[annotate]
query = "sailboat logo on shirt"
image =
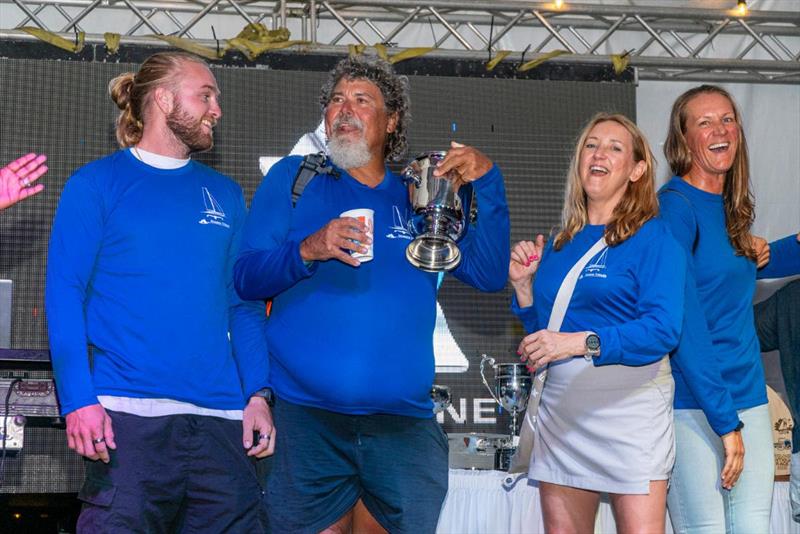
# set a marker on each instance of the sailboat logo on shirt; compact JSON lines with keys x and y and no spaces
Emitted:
{"x":399,"y":227}
{"x":597,"y":267}
{"x":213,"y":212}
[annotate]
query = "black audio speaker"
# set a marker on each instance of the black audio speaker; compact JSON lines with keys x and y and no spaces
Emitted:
{"x":43,"y":465}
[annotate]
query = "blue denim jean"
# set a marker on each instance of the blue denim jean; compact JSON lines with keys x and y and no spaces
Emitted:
{"x":696,"y":501}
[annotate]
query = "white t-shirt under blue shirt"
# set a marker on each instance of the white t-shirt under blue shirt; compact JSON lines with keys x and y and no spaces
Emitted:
{"x":140,"y":267}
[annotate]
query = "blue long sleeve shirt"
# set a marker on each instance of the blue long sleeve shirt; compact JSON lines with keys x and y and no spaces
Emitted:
{"x":720,"y":367}
{"x":356,"y":340}
{"x":631,"y":294}
{"x":140,"y":267}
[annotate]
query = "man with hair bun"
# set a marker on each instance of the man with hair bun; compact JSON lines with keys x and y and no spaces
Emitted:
{"x":168,"y":411}
{"x":350,"y":342}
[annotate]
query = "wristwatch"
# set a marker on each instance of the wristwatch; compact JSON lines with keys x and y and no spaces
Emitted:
{"x":592,"y":346}
{"x":266,"y":394}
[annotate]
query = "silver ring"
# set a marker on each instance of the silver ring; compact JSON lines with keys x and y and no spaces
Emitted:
{"x":262,"y":437}
{"x":98,"y":440}
{"x":25,"y":182}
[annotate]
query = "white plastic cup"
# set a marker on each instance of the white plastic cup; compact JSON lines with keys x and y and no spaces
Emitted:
{"x":367,"y":217}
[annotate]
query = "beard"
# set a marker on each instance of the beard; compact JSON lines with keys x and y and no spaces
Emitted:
{"x":190,"y":131}
{"x":348,"y":153}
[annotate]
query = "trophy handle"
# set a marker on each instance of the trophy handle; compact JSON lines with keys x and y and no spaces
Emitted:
{"x":485,"y":358}
{"x":411,"y":176}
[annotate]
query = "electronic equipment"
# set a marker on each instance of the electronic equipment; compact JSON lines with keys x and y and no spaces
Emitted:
{"x":29,"y":397}
{"x":12,"y":431}
{"x":37,"y":459}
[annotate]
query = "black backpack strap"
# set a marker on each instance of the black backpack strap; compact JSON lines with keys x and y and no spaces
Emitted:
{"x":311,"y":166}
{"x":691,"y":206}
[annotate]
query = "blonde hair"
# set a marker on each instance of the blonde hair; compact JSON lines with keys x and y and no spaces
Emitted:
{"x":737,"y":198}
{"x":637,"y":205}
{"x":130,"y":91}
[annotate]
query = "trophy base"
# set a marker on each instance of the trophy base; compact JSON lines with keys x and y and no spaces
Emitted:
{"x":502,"y":457}
{"x":433,"y":254}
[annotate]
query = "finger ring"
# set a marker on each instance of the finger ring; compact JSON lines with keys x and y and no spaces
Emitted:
{"x":263,"y":437}
{"x":25,"y":182}
{"x":98,"y":440}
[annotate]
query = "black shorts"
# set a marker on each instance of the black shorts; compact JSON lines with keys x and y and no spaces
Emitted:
{"x":175,"y":473}
{"x":325,"y":461}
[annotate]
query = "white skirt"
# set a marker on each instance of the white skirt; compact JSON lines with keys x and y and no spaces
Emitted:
{"x":606,"y":428}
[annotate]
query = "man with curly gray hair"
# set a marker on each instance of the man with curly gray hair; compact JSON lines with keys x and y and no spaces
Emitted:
{"x":350,"y":341}
{"x":394,"y":89}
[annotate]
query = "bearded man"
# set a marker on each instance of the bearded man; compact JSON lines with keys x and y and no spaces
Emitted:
{"x":351,"y":352}
{"x":140,"y":269}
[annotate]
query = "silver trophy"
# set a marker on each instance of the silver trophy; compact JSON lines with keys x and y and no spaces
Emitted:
{"x":512,"y":389}
{"x":441,"y":214}
{"x":440,"y":395}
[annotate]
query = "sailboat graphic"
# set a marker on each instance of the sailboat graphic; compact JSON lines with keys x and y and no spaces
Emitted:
{"x":398,"y":229}
{"x":597,"y":267}
{"x":600,"y":260}
{"x":213,"y":214}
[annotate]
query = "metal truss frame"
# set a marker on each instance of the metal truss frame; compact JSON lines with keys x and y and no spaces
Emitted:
{"x":662,"y":43}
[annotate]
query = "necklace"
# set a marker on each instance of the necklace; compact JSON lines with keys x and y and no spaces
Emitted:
{"x":138,"y":155}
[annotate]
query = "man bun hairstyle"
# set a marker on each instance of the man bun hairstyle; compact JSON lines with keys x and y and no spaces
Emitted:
{"x":131,"y":91}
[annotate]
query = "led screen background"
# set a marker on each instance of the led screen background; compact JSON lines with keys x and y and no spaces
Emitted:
{"x":527,"y":126}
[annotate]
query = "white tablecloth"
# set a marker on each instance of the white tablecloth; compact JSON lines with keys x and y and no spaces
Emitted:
{"x":492,"y":502}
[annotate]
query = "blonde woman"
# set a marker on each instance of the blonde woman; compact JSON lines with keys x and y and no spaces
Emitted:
{"x":605,"y":417}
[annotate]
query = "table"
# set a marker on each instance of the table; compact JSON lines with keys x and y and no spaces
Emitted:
{"x":493,"y":502}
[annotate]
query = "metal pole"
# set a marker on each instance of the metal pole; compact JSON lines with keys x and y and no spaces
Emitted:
{"x":554,"y":32}
{"x":80,"y":16}
{"x":312,"y":7}
{"x":449,"y":28}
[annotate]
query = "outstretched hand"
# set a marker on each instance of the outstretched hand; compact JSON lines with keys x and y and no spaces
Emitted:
{"x":18,"y":177}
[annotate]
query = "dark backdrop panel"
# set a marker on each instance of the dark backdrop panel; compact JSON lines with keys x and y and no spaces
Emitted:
{"x":527,"y":127}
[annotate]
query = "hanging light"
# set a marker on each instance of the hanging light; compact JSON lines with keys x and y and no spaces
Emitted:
{"x":741,"y":7}
{"x":559,"y":4}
